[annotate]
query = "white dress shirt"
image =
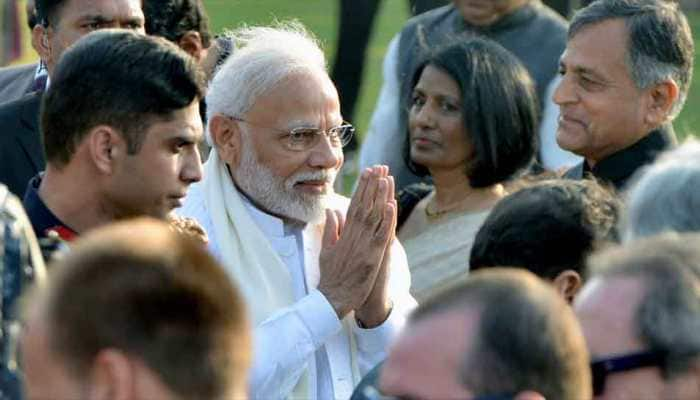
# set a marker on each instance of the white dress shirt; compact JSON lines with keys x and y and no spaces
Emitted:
{"x":308,"y":336}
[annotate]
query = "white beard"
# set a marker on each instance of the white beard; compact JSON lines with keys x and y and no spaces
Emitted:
{"x":277,"y":195}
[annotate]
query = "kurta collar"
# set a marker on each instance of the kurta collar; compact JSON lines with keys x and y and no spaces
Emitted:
{"x":270,"y":225}
{"x":620,"y":166}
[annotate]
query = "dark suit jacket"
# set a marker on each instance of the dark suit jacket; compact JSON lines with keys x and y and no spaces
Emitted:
{"x":16,"y":81}
{"x":21,"y":152}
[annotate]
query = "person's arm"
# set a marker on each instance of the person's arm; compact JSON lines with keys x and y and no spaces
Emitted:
{"x":384,"y":122}
{"x":372,"y":344}
{"x":286,"y":342}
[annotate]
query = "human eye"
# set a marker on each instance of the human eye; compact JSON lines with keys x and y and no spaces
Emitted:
{"x":302,"y":137}
{"x":178,"y":145}
{"x":417,"y":100}
{"x":589,"y":83}
{"x":448,"y":107}
{"x":93,"y":25}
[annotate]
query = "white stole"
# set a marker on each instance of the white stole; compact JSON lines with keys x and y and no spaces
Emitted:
{"x":260,"y":274}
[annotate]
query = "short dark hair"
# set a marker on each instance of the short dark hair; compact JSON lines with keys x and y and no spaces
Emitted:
{"x":171,"y":19}
{"x":46,"y":11}
{"x":141,"y":288}
{"x":499,"y":108}
{"x":660,"y":44}
{"x":32,"y":18}
{"x":116,"y":78}
{"x":547,"y":228}
{"x":668,"y":315}
{"x":528,"y":337}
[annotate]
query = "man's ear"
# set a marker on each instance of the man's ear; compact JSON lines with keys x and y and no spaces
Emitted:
{"x":226,"y":136}
{"x":662,"y":97}
{"x":567,"y":284}
{"x":105,"y":146}
{"x":112,"y":376}
{"x":191,"y":43}
{"x":40,"y":42}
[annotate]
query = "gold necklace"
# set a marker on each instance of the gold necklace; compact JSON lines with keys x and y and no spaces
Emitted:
{"x":436,"y":214}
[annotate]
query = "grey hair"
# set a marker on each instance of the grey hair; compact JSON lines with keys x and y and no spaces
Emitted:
{"x":667,"y":317}
{"x":527,"y":339}
{"x":660,"y":45}
{"x":665,"y":195}
{"x":264,"y":56}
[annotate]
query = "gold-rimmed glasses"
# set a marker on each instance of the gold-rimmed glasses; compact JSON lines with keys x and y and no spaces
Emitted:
{"x":304,"y":138}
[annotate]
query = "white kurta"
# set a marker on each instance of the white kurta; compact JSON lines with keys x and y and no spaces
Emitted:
{"x":307,"y":336}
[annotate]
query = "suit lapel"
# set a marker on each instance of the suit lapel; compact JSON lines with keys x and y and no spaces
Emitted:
{"x":29,"y":137}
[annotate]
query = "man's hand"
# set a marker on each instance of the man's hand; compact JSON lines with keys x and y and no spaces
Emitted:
{"x":378,"y":306}
{"x":353,"y":249}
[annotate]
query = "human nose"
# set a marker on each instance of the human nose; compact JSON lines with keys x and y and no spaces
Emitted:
{"x":423,"y":116}
{"x":564,"y":92}
{"x":324,"y":154}
{"x":192,"y":168}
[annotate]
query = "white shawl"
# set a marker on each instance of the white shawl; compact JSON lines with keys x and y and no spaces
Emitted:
{"x":248,"y":256}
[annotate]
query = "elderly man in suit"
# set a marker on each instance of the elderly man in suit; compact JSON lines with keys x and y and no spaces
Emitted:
{"x":619,"y":95}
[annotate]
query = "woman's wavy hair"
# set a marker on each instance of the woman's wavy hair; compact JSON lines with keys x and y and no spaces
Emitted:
{"x":499,"y":108}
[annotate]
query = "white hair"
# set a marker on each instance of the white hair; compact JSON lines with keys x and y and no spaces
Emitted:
{"x":264,"y":57}
{"x":666,"y":195}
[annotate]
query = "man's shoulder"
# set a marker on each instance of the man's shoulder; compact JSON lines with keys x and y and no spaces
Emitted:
{"x":547,"y":20}
{"x":432,"y":17}
{"x":10,"y":109}
{"x":15,"y":80}
{"x":17,"y":70}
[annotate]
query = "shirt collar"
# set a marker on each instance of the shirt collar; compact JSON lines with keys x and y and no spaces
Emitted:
{"x":620,"y":166}
{"x":271,"y":225}
{"x":42,"y":219}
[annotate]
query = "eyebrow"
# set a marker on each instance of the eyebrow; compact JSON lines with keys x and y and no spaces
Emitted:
{"x":439,"y":96}
{"x":578,"y":69}
{"x":96,"y":18}
{"x":105,"y":20}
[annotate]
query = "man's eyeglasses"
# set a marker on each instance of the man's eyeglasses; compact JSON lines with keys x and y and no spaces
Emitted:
{"x":601,"y":368}
{"x":303,"y":138}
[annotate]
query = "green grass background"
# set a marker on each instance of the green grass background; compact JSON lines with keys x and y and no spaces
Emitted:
{"x":320,"y":16}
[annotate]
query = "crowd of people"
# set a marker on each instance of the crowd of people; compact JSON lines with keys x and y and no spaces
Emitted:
{"x":182,"y":188}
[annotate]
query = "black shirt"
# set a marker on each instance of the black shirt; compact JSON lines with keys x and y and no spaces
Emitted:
{"x":619,"y":167}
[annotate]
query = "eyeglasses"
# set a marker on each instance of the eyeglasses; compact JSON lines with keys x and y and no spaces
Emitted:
{"x":305,"y":138}
{"x":601,"y":368}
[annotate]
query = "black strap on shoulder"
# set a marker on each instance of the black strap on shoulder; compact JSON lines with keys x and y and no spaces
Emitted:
{"x":407,"y":199}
